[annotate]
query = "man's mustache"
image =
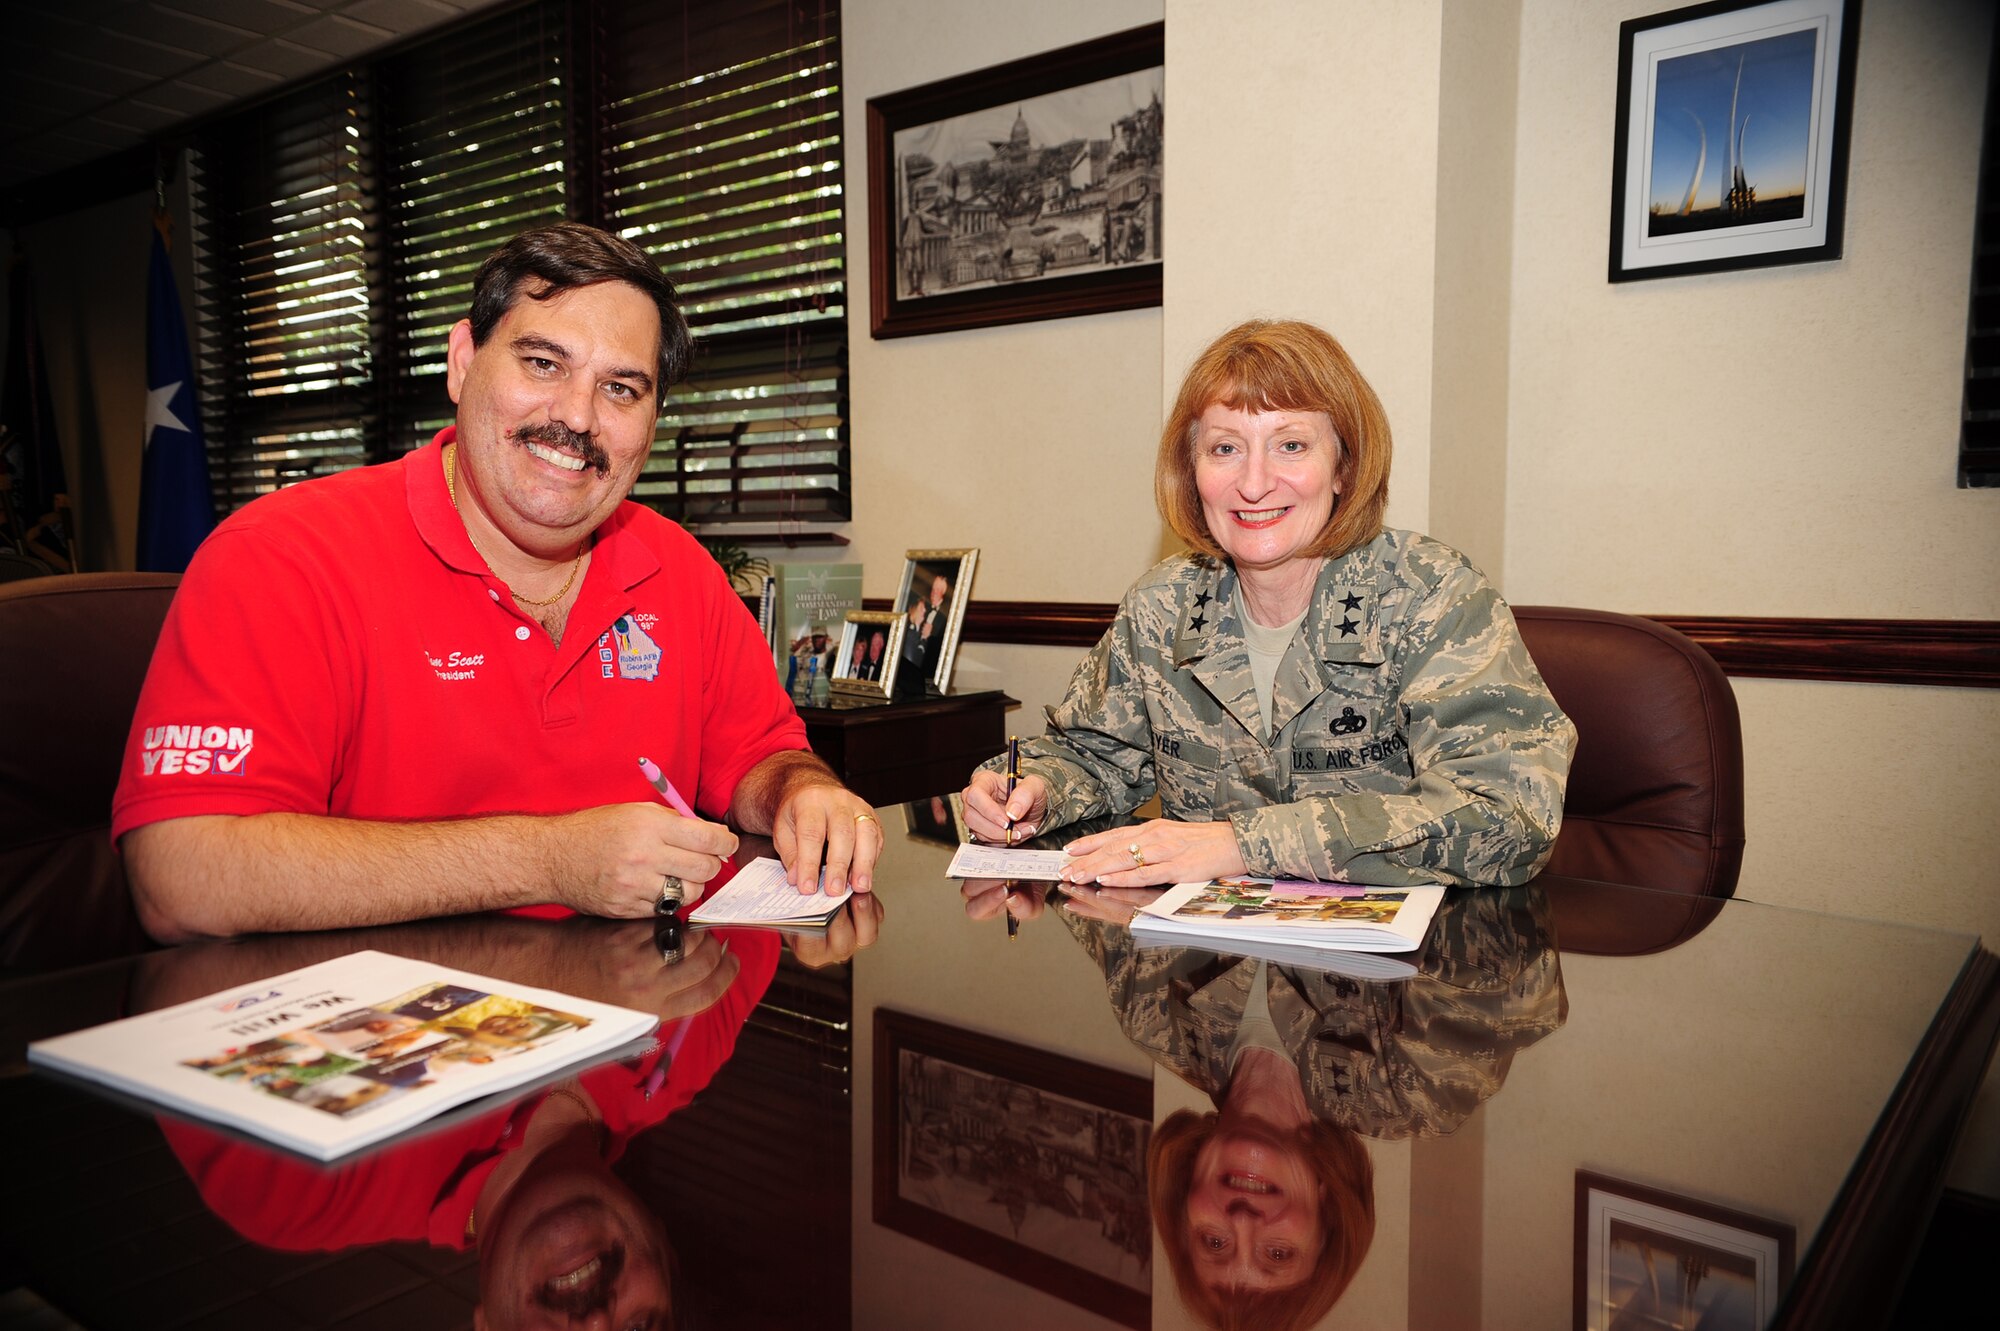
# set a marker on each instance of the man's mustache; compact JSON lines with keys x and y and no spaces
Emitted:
{"x":556,"y":435}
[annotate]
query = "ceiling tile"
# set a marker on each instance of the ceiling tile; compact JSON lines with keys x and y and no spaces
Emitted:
{"x":282,"y":59}
{"x":400,"y":16}
{"x":137,"y":117}
{"x":89,"y":76}
{"x":145,"y":57}
{"x":338,"y":36}
{"x":185,"y":98}
{"x":189,"y":32}
{"x":57,"y":92}
{"x":266,"y":17}
{"x":90,"y":135}
{"x":231,"y":79}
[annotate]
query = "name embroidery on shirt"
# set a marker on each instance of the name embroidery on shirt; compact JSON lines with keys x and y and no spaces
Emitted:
{"x":196,"y":750}
{"x":456,"y":665}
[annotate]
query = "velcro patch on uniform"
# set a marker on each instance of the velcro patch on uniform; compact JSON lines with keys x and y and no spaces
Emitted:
{"x":1347,"y":758}
{"x":1186,"y":750}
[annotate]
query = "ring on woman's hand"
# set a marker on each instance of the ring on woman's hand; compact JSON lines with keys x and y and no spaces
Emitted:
{"x":672,"y":891}
{"x":1138,"y":857}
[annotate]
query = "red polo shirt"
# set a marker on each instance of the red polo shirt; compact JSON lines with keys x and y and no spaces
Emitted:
{"x":340,"y":648}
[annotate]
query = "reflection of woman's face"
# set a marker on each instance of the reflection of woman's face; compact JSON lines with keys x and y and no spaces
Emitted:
{"x":1253,"y":1210}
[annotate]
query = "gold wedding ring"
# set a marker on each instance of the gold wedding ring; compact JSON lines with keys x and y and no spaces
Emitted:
{"x":864,"y":817}
{"x":1138,"y":858}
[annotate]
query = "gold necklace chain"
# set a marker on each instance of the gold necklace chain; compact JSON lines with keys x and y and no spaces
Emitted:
{"x":451,"y":492}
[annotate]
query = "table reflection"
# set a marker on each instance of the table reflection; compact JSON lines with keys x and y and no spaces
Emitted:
{"x":1265,"y":1206}
{"x":528,"y":1183}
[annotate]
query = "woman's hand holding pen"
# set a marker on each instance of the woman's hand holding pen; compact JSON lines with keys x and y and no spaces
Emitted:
{"x":989,"y":808}
{"x":988,"y":898}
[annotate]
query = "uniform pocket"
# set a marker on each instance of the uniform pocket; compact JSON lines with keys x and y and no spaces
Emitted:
{"x":1187,"y":771}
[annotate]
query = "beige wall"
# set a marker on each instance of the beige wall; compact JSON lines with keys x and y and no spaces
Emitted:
{"x":1779,"y":442}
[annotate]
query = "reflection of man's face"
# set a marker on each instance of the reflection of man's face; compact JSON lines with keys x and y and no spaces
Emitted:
{"x":572,"y":1246}
{"x":1253,"y":1210}
{"x":938,"y":589}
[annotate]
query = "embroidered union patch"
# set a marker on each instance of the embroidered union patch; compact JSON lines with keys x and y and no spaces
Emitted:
{"x":638,"y":654}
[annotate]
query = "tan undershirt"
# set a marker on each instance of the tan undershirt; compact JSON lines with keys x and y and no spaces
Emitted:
{"x":1267,"y":649}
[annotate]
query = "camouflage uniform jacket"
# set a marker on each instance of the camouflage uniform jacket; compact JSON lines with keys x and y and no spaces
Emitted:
{"x":1387,"y":1058}
{"x":1415,"y":741}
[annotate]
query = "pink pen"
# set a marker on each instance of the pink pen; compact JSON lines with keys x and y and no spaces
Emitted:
{"x":651,"y":771}
{"x":665,"y":787}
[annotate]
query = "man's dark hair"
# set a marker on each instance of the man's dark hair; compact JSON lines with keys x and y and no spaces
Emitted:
{"x":548,"y":260}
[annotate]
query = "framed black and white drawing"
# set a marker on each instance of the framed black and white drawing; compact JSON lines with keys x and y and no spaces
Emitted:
{"x":1730,"y":148}
{"x":1031,"y":190}
{"x":1026,"y":1162}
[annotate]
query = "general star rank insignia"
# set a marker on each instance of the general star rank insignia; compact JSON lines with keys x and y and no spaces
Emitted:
{"x":1202,"y":599}
{"x":1347,"y":627}
{"x":1198,"y":623}
{"x":1351,"y":601}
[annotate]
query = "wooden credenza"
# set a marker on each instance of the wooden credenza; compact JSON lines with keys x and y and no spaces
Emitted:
{"x":891,"y":753}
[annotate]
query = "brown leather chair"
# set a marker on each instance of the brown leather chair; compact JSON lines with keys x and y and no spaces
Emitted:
{"x":74,"y":651}
{"x":1655,"y":795}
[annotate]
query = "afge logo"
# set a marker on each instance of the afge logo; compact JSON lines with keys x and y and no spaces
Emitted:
{"x":196,"y":750}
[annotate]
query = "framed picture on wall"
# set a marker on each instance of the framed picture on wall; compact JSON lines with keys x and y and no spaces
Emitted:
{"x":1650,"y":1258}
{"x":871,"y":646}
{"x":1031,"y":190}
{"x":935,"y":588}
{"x":1026,"y":1162}
{"x":1730,"y":148}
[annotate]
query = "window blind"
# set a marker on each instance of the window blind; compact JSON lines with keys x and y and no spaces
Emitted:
{"x":282,"y":201}
{"x":344,"y":225}
{"x":473,"y":131}
{"x":721,"y":155}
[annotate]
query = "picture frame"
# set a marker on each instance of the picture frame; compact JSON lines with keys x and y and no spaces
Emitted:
{"x":939,"y":819}
{"x":1642,"y":1252}
{"x":1730,"y":143}
{"x":858,"y":671}
{"x":1047,"y":1121}
{"x":1029,"y":190}
{"x":930,"y":640}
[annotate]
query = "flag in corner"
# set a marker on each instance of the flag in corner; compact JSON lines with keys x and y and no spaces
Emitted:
{"x":176,"y":507}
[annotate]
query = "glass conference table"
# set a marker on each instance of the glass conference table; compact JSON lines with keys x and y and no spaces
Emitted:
{"x":1582,"y":1105}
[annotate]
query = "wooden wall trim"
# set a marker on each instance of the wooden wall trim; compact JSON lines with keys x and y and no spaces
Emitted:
{"x":1958,"y":653}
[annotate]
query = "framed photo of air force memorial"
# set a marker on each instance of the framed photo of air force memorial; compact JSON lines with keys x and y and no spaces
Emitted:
{"x":1030,"y":190}
{"x":1730,"y":143}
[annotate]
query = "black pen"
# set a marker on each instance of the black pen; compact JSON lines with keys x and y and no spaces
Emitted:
{"x":1013,"y":775}
{"x":1006,"y":904}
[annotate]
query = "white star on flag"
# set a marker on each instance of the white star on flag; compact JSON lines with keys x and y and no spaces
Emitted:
{"x":160,"y":411}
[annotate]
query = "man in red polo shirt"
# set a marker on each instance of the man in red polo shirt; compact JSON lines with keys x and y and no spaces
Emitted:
{"x":425,"y":687}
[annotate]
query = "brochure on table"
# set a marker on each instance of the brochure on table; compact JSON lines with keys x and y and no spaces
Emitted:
{"x":344,"y":1054}
{"x":1235,"y":914}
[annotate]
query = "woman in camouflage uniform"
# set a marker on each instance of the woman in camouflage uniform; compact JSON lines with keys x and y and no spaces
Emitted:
{"x":1309,"y":694}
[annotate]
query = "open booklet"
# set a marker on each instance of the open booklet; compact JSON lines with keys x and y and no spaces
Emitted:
{"x":1290,"y":921}
{"x":759,"y":895}
{"x":344,"y":1054}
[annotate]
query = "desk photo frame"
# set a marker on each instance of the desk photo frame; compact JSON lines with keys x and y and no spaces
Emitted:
{"x":1731,"y":139}
{"x":933,"y":594}
{"x":857,"y":671}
